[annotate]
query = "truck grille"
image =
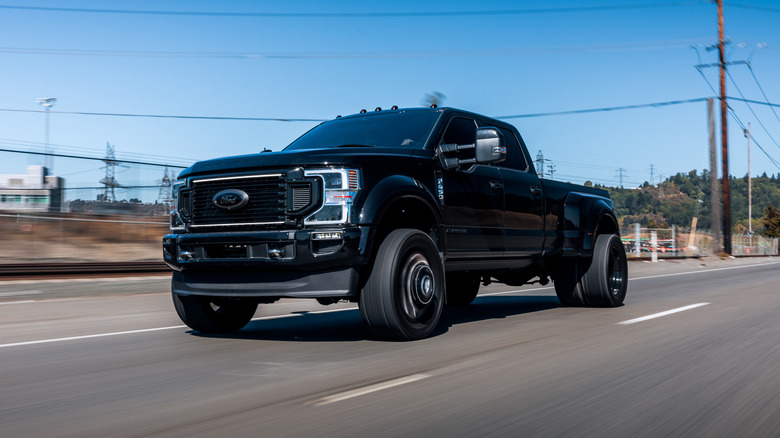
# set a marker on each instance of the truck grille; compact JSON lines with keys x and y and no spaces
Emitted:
{"x":266,"y":206}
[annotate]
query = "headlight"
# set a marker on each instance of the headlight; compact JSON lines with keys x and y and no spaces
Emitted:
{"x":177,"y":224}
{"x":340,"y":187}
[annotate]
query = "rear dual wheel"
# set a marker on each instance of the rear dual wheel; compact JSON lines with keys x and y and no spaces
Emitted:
{"x":601,"y":281}
{"x":462,"y":288}
{"x":404,"y":294}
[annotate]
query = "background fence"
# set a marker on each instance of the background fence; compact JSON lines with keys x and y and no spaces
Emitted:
{"x":681,"y":242}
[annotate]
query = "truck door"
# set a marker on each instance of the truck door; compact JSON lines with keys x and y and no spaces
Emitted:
{"x":473,"y":200}
{"x":523,"y":201}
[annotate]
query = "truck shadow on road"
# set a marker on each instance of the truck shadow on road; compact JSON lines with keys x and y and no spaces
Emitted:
{"x":347,"y":325}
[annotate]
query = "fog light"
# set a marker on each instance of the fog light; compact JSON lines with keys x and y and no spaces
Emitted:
{"x":330,"y":235}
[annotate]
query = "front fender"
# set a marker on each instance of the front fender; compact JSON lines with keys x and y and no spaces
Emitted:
{"x":391,"y":189}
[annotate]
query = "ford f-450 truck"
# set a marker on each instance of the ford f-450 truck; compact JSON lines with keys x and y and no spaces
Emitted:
{"x":402,"y":211}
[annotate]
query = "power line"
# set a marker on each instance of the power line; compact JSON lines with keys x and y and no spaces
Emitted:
{"x":613,"y":108}
{"x":750,"y":68}
{"x":79,"y":150}
{"x":91,"y":158}
{"x":284,"y":119}
{"x":758,"y":8}
{"x":160,"y":116}
{"x":357,"y":14}
{"x":751,"y":109}
{"x":755,"y":142}
{"x":482,"y":52}
{"x":757,"y":102}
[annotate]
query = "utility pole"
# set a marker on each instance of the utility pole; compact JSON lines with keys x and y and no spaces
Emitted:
{"x":724,"y":140}
{"x":714,"y":194}
{"x":750,"y":185}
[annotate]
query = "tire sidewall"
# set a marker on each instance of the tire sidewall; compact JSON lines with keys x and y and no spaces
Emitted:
{"x":382,"y":301}
{"x":609,"y":257}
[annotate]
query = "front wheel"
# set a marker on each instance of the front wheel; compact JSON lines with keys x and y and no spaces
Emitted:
{"x":404,"y":294}
{"x":214,"y":314}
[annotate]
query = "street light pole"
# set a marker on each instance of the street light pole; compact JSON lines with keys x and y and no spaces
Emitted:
{"x":750,"y":186}
{"x":47,"y":103}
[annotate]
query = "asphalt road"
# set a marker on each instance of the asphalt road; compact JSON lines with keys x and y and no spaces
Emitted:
{"x":695,"y":352}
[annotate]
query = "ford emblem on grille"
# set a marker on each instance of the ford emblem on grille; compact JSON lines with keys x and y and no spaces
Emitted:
{"x":230,"y":199}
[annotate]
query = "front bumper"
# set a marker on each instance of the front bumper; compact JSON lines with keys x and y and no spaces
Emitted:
{"x":296,"y":263}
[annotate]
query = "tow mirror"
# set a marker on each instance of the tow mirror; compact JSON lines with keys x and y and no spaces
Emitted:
{"x":490,"y":146}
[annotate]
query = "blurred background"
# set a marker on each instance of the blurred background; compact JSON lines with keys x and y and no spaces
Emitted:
{"x":104,"y":103}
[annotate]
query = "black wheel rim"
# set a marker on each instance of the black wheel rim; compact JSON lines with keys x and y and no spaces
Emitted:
{"x":418,"y":288}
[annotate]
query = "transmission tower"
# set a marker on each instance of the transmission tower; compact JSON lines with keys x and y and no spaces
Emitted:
{"x":109,"y":181}
{"x":165,"y":187}
{"x":551,"y":168}
{"x":540,"y":164}
{"x":621,"y":171}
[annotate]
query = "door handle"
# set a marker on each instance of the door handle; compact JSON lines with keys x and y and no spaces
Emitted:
{"x":496,"y":185}
{"x":536,"y":190}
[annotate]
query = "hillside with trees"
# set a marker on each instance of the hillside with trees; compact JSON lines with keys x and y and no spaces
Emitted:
{"x":681,"y":197}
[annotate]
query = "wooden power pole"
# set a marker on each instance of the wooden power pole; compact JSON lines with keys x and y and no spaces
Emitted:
{"x":724,"y":140}
{"x":714,"y":190}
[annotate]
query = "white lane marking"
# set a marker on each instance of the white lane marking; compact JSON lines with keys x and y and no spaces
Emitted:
{"x":100,"y":335}
{"x":704,"y":271}
{"x":21,"y":292}
{"x":162,"y":276}
{"x":660,"y":314}
{"x":637,"y":278}
{"x":369,"y":389}
{"x":156,"y":329}
{"x":17,"y":302}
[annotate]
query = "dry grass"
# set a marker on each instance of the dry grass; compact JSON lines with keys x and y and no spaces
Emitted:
{"x":81,"y":238}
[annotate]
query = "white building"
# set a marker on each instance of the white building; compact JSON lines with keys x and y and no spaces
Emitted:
{"x":35,"y":191}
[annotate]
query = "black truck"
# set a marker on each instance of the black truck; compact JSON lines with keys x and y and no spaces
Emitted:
{"x":400,"y":210}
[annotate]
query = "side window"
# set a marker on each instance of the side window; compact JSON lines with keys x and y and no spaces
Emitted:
{"x":460,"y":131}
{"x":515,"y":159}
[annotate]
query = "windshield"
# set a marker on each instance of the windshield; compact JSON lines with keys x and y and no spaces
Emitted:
{"x":408,"y":129}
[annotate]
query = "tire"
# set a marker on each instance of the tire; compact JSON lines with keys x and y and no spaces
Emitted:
{"x":404,"y":295}
{"x":601,"y":281}
{"x":567,"y":283}
{"x":214,"y":314}
{"x":462,"y":288}
{"x":605,"y":281}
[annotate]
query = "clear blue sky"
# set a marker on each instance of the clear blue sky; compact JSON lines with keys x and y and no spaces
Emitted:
{"x":315,"y":60}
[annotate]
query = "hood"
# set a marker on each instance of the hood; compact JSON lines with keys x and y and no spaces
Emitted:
{"x":298,"y":158}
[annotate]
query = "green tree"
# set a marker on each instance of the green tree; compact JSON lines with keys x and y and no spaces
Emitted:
{"x":772,"y":222}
